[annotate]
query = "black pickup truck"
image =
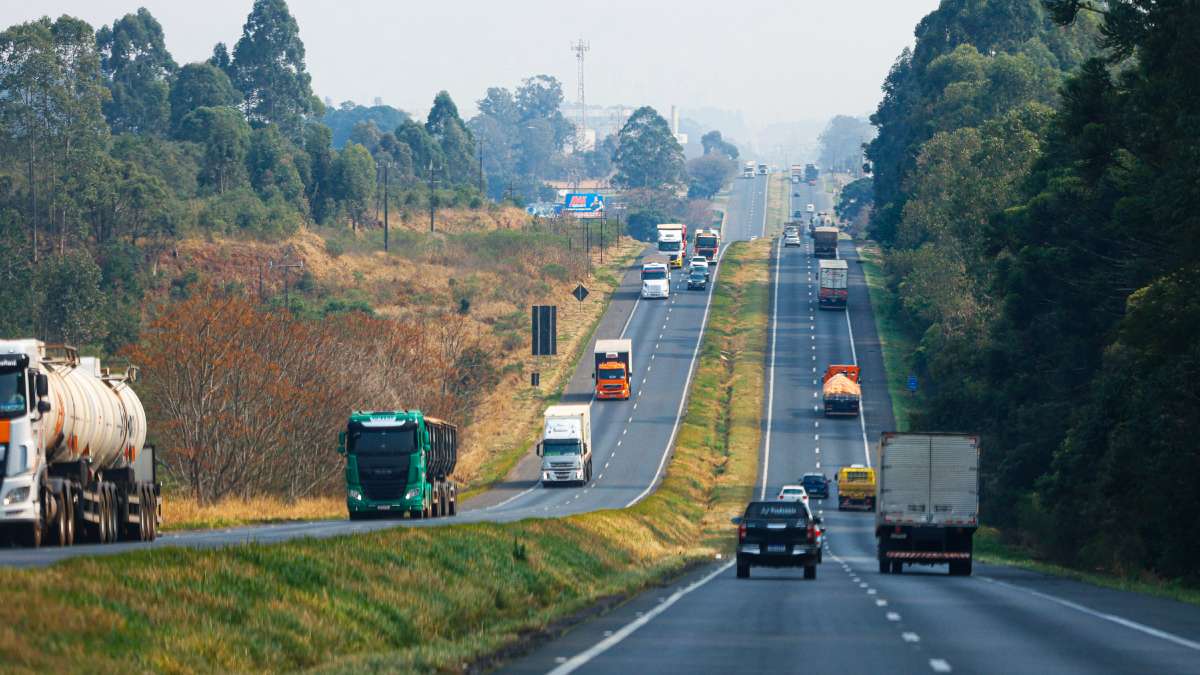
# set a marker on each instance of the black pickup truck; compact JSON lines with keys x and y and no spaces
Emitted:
{"x":777,"y":534}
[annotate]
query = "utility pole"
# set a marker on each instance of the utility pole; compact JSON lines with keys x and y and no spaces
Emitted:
{"x":432,"y":197}
{"x":285,"y":266}
{"x":385,"y":206}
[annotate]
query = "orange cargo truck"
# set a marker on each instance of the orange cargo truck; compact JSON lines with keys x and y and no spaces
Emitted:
{"x":843,"y":395}
{"x":614,"y":369}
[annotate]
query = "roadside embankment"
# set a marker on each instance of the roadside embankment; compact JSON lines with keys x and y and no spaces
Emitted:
{"x":414,"y":599}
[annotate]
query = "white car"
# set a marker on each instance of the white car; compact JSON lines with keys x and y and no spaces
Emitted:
{"x":701,"y":262}
{"x":810,"y":208}
{"x":656,"y":281}
{"x":791,"y":239}
{"x":793,"y":493}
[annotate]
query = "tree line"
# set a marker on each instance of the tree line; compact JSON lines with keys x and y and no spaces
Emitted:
{"x":1035,"y":192}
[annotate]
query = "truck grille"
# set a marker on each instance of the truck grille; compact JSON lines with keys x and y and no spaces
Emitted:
{"x":383,"y":478}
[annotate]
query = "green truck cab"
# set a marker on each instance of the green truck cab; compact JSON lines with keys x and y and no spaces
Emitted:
{"x":399,"y":462}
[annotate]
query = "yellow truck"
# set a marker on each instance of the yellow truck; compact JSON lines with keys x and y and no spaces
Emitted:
{"x":856,"y":487}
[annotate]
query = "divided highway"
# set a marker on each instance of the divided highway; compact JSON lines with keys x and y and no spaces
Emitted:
{"x":631,"y":439}
{"x":851,"y":618}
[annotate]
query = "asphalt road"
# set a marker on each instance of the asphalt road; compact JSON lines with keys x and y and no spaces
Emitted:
{"x":631,"y":439}
{"x":852,"y":619}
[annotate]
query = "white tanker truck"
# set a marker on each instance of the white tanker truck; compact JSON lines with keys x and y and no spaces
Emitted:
{"x":72,"y":461}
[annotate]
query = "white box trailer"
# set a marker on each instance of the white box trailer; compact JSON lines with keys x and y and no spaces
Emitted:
{"x":566,"y":445}
{"x":927,"y":500}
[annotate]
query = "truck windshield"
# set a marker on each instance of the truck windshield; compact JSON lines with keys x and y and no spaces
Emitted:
{"x":612,"y":373}
{"x":857,"y":476}
{"x":706,"y":242}
{"x":670,"y":246}
{"x":653,"y":275}
{"x":12,"y":393}
{"x":561,"y":447}
{"x":382,"y":441}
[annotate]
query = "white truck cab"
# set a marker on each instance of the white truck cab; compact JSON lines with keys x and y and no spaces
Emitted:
{"x":656,"y":281}
{"x":566,"y":445}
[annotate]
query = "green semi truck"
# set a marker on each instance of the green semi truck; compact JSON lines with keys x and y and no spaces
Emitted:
{"x":399,"y":462}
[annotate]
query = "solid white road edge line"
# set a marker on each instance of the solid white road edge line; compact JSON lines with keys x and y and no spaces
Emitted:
{"x":687,"y":383}
{"x":766,"y":465}
{"x":862,"y":417}
{"x":582,"y":658}
{"x":1120,"y":621}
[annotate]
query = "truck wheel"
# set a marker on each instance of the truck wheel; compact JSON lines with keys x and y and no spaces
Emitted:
{"x":810,"y":572}
{"x":101,"y":514}
{"x":743,"y":571}
{"x":884,"y":566}
{"x":58,"y":525}
{"x":453,"y":500}
{"x":415,"y":514}
{"x":153,"y":512}
{"x":897,"y":567}
{"x":114,"y":514}
{"x":141,"y":530}
{"x":69,"y":512}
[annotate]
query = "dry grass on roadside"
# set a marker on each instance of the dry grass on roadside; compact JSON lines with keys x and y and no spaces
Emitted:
{"x":411,"y":599}
{"x":185,"y":513}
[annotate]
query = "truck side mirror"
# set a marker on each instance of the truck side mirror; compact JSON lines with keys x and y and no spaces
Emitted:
{"x":539,"y":449}
{"x":42,"y":384}
{"x":43,"y":406}
{"x":736,"y":520}
{"x":341,"y":447}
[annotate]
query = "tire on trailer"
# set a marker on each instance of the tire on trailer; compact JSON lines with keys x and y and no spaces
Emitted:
{"x":884,"y":566}
{"x":57,"y":527}
{"x":453,"y":500}
{"x":897,"y":567}
{"x":810,"y":572}
{"x":960,"y":568}
{"x":743,"y":571}
{"x":69,"y":512}
{"x":102,"y":513}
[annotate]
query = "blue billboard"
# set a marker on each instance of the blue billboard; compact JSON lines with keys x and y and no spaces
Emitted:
{"x":584,"y":204}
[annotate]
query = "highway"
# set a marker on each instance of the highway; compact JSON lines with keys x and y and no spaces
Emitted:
{"x":852,"y":619}
{"x":631,"y":439}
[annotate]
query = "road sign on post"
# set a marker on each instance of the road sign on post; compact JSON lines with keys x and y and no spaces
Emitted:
{"x":544,"y":330}
{"x":580,"y":293}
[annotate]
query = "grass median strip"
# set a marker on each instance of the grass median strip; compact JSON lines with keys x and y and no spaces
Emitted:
{"x":413,"y":599}
{"x":895,"y":337}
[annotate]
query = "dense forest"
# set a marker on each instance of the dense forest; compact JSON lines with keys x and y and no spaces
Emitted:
{"x":1035,"y":187}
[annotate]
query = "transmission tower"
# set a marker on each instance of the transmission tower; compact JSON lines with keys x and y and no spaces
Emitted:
{"x":580,"y":47}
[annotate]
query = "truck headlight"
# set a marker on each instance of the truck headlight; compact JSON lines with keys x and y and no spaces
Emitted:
{"x":354,"y":494}
{"x":16,"y":495}
{"x":413,"y":493}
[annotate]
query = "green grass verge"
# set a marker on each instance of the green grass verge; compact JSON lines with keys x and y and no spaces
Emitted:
{"x":412,"y":599}
{"x":991,"y":548}
{"x":897,"y":342}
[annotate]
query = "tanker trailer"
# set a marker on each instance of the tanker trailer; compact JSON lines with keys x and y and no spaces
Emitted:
{"x":73,"y":457}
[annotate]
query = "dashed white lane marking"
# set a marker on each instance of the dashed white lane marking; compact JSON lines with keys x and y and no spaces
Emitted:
{"x":871,"y":591}
{"x":818,"y":465}
{"x":606,"y":464}
{"x":910,"y":637}
{"x":816,"y":437}
{"x":862,"y":584}
{"x":816,"y":424}
{"x":817,"y":451}
{"x":939,"y":665}
{"x":635,"y":405}
{"x":893,"y":616}
{"x":629,"y":420}
{"x":881,"y":603}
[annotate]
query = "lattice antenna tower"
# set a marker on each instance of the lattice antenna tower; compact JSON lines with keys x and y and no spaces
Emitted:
{"x":581,"y":47}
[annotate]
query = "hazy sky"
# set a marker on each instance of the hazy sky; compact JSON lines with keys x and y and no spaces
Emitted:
{"x":775,"y":61}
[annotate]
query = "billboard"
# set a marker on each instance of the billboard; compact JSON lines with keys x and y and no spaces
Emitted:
{"x":584,"y":204}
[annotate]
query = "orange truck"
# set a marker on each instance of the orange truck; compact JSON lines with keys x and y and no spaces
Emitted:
{"x":614,"y":369}
{"x":843,"y":394}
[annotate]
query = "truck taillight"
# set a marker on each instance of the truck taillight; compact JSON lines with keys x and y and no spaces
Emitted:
{"x":741,"y":532}
{"x":812,"y":533}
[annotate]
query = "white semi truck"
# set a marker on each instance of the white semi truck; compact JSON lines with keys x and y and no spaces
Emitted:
{"x":73,"y":457}
{"x":566,"y":445}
